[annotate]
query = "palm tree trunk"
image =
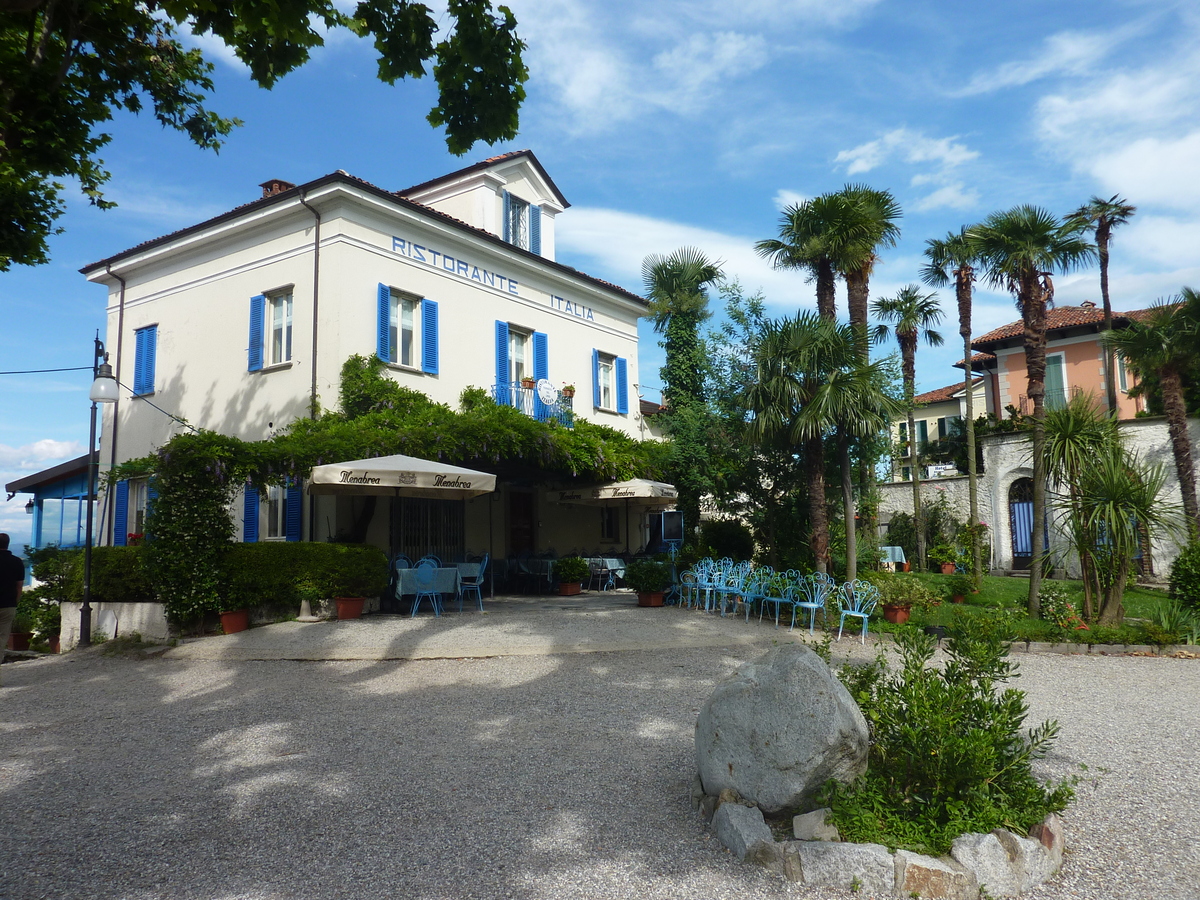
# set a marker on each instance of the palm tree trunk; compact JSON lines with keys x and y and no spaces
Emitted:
{"x":826,"y":296}
{"x":1110,"y":376}
{"x":814,"y":466}
{"x":1033,"y":312}
{"x":1112,"y":609}
{"x":848,"y":508}
{"x":1177,"y":428}
{"x":857,"y":296}
{"x":962,"y":290}
{"x":908,"y":351}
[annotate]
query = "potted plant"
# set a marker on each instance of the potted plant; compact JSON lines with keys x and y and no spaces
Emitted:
{"x":48,"y":624}
{"x":235,"y":620}
{"x":349,"y":581}
{"x":22,"y":631}
{"x":958,"y":587}
{"x":945,"y":556}
{"x":898,"y":594}
{"x":649,"y":579}
{"x":568,"y":390}
{"x":528,"y":382}
{"x":570,"y":571}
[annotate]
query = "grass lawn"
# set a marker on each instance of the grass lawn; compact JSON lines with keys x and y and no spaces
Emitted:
{"x":998,"y":592}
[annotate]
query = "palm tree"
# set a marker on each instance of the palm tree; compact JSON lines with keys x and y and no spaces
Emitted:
{"x":802,"y":245}
{"x":1101,"y":217}
{"x":953,"y":254}
{"x":810,"y":380}
{"x":1021,"y":248}
{"x":678,"y":306}
{"x":869,"y":223}
{"x":912,"y":315}
{"x":1165,"y":343}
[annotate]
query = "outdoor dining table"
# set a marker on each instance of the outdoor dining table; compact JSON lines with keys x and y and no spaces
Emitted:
{"x":446,"y":580}
{"x":613,"y":565}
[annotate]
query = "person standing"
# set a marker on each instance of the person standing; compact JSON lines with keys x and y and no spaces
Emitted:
{"x":12,"y":581}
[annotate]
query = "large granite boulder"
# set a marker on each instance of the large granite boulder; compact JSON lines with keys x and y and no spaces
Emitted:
{"x":778,"y":729}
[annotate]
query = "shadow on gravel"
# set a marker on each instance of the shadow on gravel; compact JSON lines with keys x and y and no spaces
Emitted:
{"x":540,"y":776}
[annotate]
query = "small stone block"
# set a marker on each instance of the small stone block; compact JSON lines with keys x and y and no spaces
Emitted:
{"x":697,"y":792}
{"x":1142,"y":649}
{"x":741,"y":828}
{"x":994,"y":869}
{"x":869,"y":866}
{"x":933,"y":879}
{"x":1039,"y":647}
{"x":1049,"y":833}
{"x":729,"y":795}
{"x":1068,"y":647}
{"x":811,"y":826}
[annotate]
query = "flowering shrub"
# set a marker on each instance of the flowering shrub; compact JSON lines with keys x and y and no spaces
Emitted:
{"x":1057,"y":607}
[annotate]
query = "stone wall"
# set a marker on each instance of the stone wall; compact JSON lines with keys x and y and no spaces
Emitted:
{"x":1007,"y":459}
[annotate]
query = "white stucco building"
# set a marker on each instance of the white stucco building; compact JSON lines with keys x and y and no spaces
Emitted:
{"x":241,"y":323}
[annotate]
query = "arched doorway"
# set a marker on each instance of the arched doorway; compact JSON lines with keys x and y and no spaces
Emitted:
{"x":1020,"y":518}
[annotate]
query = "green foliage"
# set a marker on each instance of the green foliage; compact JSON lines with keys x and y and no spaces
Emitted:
{"x":647,"y":575}
{"x":727,"y":538}
{"x":959,"y":585}
{"x":570,"y":570}
{"x":1185,"y":576}
{"x":948,"y":755}
{"x":1057,"y":607}
{"x":279,"y":574}
{"x":118,"y":576}
{"x":65,"y":68}
{"x":902,"y":590}
{"x":1175,"y":619}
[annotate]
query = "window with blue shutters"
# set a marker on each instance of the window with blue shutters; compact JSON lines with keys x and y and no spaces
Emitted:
{"x":383,"y":341}
{"x":145,"y":349}
{"x":595,"y":378}
{"x":535,"y":230}
{"x":429,"y":337}
{"x":516,"y":228}
{"x":621,"y":370}
{"x":407,"y":330}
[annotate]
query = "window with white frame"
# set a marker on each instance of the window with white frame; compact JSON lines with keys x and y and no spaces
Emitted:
{"x":279,"y":328}
{"x":1122,"y":375}
{"x":275,"y":510}
{"x":138,"y":495}
{"x":518,"y":222}
{"x":519,"y":363}
{"x":604,"y":372}
{"x":403,"y":319}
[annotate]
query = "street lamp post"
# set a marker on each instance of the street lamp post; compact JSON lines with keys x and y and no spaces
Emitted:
{"x":104,"y":390}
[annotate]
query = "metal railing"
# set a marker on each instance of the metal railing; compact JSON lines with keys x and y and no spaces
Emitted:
{"x":527,"y":401}
{"x":1054,"y":399}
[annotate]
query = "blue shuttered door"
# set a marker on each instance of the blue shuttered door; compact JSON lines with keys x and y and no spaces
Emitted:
{"x":121,"y":514}
{"x":258,"y":307}
{"x":541,"y":369}
{"x":502,"y":393}
{"x":535,"y":229}
{"x":506,"y":226}
{"x":596,"y":378}
{"x":1021,"y":518}
{"x":429,"y":337}
{"x":621,"y":372}
{"x":250,"y":515}
{"x":383,"y":341}
{"x":294,"y":496}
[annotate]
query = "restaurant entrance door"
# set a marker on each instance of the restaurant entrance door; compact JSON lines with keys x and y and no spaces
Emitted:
{"x":522,"y":524}
{"x":421,"y":526}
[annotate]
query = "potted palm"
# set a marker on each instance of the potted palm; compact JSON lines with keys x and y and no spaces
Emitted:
{"x":649,"y":579}
{"x":570,"y":571}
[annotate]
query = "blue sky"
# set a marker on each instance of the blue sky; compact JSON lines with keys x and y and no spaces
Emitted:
{"x":678,"y":123}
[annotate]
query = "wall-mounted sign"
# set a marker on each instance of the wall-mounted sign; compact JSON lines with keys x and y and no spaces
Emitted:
{"x":578,"y":310}
{"x":459,"y":268}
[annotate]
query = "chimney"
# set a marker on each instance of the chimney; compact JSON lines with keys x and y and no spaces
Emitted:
{"x":1088,"y":304}
{"x":275,"y":186}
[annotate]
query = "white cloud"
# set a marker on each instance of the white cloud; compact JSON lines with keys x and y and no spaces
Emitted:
{"x":37,"y":454}
{"x":910,"y":146}
{"x":1068,"y":52}
{"x":952,"y":196}
{"x":616,"y":242}
{"x":784,"y":198}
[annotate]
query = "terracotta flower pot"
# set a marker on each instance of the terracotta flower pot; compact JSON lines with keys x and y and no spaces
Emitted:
{"x":897,"y":615}
{"x":958,"y":598}
{"x":528,"y":384}
{"x":568,"y":392}
{"x":907,"y":567}
{"x":235,"y":620}
{"x":19,"y":640}
{"x":349,"y":607}
{"x":650,"y":598}
{"x":948,"y":568}
{"x":55,"y":643}
{"x":569,"y":588}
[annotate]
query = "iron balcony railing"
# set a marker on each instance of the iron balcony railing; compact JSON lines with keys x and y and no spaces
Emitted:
{"x":511,"y":393}
{"x":1054,"y":399}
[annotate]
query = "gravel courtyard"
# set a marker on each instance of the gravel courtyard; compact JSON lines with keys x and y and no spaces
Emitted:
{"x":548,"y":754}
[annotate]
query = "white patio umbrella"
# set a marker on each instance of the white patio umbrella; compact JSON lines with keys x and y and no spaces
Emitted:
{"x":639,"y":491}
{"x":400,"y":476}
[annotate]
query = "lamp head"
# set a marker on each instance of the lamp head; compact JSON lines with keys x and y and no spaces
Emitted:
{"x":104,"y":388}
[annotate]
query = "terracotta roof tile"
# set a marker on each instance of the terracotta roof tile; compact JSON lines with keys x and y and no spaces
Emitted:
{"x":943,"y":393}
{"x":1056,"y":318}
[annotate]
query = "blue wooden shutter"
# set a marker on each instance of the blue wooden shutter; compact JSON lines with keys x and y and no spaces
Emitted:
{"x":429,"y":336}
{"x":250,"y":515}
{"x":143,"y":365}
{"x":151,"y":351}
{"x":503,"y":394}
{"x":621,"y":373}
{"x":139,"y":360}
{"x":257,"y":313}
{"x":596,"y":378}
{"x":541,"y":369}
{"x":505,"y":225}
{"x":535,"y":229}
{"x":121,"y":514}
{"x":384,"y":336}
{"x":294,"y":496}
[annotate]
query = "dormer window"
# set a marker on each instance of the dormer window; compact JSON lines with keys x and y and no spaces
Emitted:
{"x":522,"y":223}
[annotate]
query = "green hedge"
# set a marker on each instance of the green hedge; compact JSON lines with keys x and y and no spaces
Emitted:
{"x":269,"y":573}
{"x":1185,"y":576}
{"x":118,"y":576}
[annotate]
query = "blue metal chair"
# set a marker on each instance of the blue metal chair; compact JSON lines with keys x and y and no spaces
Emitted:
{"x":426,"y":579}
{"x":600,"y":575}
{"x":812,"y":593}
{"x":776,"y":593}
{"x":858,"y":598}
{"x":473,"y":586}
{"x":400,"y":561}
{"x":437,"y":563}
